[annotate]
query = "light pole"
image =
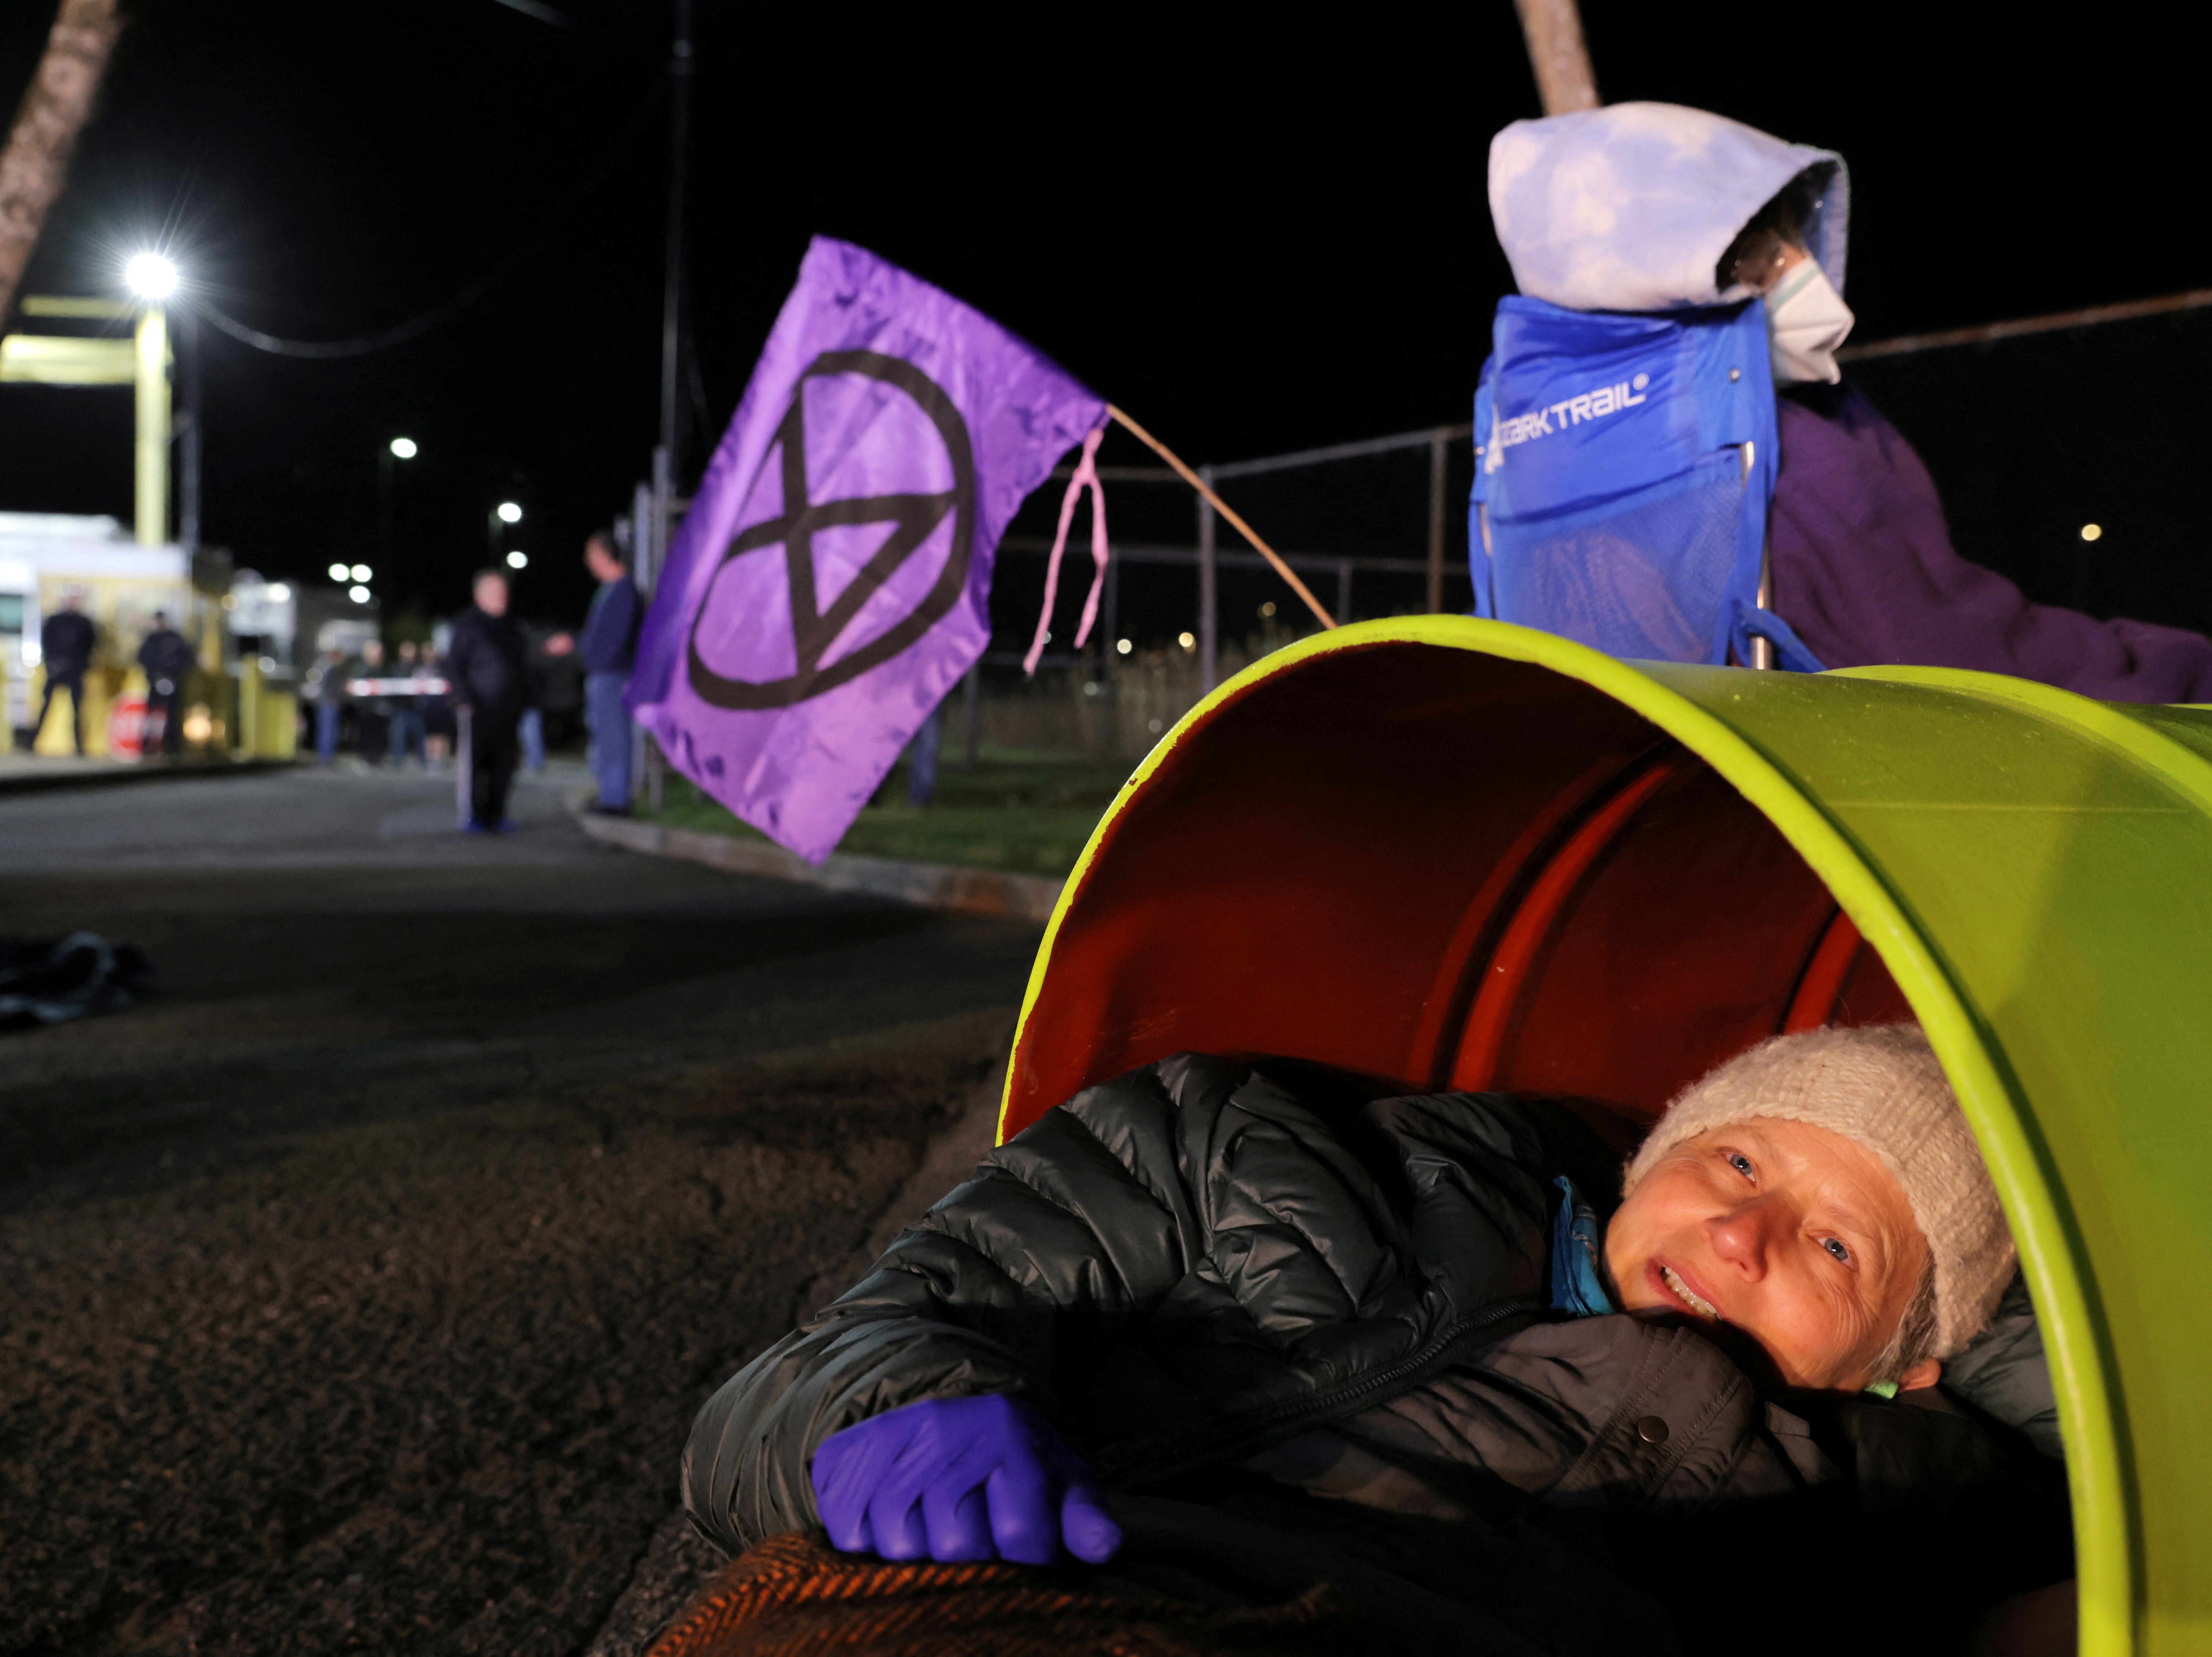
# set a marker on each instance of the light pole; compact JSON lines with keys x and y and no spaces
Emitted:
{"x":671,"y":293}
{"x":188,"y":433}
{"x":400,"y":448}
{"x":153,"y":279}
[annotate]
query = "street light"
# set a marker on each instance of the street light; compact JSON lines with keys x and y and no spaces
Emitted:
{"x":361,"y":572}
{"x":150,"y":276}
{"x":404,"y":447}
{"x":509,"y":512}
{"x":517,"y":559}
{"x":339,"y":573}
{"x":358,"y":594}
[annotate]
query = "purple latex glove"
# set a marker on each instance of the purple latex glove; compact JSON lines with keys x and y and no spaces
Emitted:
{"x":960,"y":1478}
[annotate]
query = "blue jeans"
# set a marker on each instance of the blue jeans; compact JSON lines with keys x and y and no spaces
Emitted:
{"x":326,"y":732}
{"x":406,"y":735}
{"x":532,"y":733}
{"x":608,"y":719}
{"x":922,"y":759}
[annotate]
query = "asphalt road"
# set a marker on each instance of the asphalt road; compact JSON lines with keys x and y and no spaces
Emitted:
{"x":357,"y":1289}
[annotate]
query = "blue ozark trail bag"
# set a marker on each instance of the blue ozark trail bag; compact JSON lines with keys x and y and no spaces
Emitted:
{"x":1624,"y":465}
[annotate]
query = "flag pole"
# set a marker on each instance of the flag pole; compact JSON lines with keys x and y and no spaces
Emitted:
{"x":1222,"y":506}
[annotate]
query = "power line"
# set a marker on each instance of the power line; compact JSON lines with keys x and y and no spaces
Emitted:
{"x":415,"y":327}
{"x":542,"y":13}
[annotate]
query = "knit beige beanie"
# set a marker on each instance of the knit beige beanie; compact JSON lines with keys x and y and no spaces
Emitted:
{"x":1882,"y":1088}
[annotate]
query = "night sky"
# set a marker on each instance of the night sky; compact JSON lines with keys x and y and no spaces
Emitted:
{"x":1256,"y":235}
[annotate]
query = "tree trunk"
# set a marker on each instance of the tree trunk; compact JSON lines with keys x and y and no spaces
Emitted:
{"x":55,"y":109}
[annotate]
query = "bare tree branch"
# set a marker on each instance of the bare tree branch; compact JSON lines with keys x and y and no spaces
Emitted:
{"x":55,"y":109}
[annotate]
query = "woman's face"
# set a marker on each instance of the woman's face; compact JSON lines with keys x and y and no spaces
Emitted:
{"x":1797,"y":1236}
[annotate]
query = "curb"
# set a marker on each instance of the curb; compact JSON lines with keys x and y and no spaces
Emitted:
{"x":23,"y":782}
{"x":930,"y":885}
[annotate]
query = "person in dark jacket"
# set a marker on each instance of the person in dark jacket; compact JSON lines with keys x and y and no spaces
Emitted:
{"x":326,"y":684}
{"x":372,"y":709}
{"x":608,"y":644}
{"x":65,"y":646}
{"x":166,"y":658}
{"x":487,"y":664}
{"x":407,"y":707}
{"x":1222,"y":1330}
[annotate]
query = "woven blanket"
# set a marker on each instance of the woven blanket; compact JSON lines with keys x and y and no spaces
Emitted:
{"x":794,"y":1596}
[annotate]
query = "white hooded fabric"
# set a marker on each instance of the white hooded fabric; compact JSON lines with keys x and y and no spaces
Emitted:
{"x":1630,"y":207}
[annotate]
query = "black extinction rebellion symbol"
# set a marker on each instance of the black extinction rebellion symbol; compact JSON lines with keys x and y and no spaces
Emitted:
{"x":912,"y":518}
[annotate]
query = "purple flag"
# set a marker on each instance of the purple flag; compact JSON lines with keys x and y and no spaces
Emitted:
{"x":832,"y":579}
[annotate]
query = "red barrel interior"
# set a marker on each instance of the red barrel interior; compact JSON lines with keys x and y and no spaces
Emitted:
{"x":1442,"y":870}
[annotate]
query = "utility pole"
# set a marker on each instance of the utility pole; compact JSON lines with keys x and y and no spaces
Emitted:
{"x":1554,"y":30}
{"x":671,"y":293}
{"x":188,"y":435}
{"x":151,"y":346}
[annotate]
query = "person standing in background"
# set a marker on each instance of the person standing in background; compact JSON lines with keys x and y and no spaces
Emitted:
{"x":488,"y":663}
{"x":330,"y":704}
{"x":65,"y":645}
{"x":608,"y":644}
{"x":372,"y":709}
{"x":166,"y":658}
{"x":438,"y":725}
{"x":407,"y":710}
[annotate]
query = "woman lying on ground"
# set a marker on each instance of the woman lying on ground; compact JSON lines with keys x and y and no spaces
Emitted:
{"x":1223,"y":1331}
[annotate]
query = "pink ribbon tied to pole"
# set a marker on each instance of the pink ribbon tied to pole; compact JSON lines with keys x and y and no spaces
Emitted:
{"x":1086,"y":476}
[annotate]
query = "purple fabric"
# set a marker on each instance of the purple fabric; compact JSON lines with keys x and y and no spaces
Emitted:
{"x":1864,"y":571}
{"x":786,"y":685}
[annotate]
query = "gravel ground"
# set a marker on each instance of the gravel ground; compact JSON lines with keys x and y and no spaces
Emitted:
{"x":356,"y":1291}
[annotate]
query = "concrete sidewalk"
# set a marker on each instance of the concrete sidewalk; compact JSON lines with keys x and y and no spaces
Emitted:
{"x":26,"y":774}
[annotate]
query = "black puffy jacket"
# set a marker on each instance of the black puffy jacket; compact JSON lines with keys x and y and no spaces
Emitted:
{"x":1193,"y":1263}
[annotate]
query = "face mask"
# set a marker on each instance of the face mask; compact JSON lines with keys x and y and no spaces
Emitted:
{"x":1806,"y":320}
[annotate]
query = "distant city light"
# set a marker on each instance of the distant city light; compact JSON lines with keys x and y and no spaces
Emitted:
{"x":1189,"y":641}
{"x":2092,"y":531}
{"x":361,"y":572}
{"x":509,"y":512}
{"x":339,"y":572}
{"x":150,"y":275}
{"x":517,"y":559}
{"x":358,"y":594}
{"x":279,"y":592}
{"x":1123,"y":646}
{"x":404,"y":447}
